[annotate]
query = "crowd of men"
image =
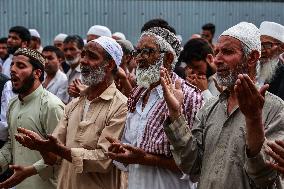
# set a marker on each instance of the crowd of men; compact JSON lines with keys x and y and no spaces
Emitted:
{"x":106,"y":114}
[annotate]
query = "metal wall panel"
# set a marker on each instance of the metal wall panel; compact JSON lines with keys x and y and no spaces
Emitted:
{"x":51,"y":17}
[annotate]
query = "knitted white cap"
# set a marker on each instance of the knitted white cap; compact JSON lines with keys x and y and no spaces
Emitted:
{"x":99,"y":30}
{"x":247,"y":33}
{"x":112,"y":47}
{"x":119,"y":35}
{"x":60,"y":37}
{"x":34,"y":33}
{"x":272,"y":29}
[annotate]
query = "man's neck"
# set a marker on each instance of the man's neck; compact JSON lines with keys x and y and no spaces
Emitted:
{"x":30,"y":91}
{"x":73,"y":66}
{"x":96,"y":90}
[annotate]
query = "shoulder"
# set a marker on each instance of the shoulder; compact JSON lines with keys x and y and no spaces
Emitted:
{"x":121,"y":97}
{"x":273,"y":102}
{"x":50,"y":100}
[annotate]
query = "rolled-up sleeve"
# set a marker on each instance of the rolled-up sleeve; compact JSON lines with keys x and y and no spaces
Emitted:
{"x":85,"y":160}
{"x":186,"y":144}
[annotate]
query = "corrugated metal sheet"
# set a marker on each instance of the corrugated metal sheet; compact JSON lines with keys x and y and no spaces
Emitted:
{"x":51,"y":17}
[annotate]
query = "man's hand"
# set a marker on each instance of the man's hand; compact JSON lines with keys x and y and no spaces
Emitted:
{"x":276,"y":151}
{"x":33,"y":141}
{"x":173,"y":94}
{"x":251,"y":102}
{"x":79,"y":86}
{"x":20,"y":174}
{"x":125,"y":153}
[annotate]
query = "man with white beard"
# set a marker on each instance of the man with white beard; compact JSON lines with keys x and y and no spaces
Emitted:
{"x":79,"y":138}
{"x":144,"y":149}
{"x":271,"y":68}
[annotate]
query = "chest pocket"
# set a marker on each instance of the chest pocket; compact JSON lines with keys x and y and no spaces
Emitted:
{"x":89,"y":131}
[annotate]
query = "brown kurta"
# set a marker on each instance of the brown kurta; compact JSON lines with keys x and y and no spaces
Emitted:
{"x":90,"y":168}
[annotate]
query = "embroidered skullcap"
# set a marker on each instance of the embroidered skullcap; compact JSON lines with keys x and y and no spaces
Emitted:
{"x":34,"y":33}
{"x":99,"y":31}
{"x":60,"y":37}
{"x":112,"y":47}
{"x":272,"y":29}
{"x":247,"y":33}
{"x":119,"y":35}
{"x":39,"y":60}
{"x":168,"y":36}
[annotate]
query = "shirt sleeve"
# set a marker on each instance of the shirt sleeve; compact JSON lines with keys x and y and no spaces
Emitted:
{"x":186,"y":144}
{"x":255,"y":167}
{"x":50,"y":117}
{"x":5,"y":155}
{"x":62,"y":91}
{"x":85,"y":160}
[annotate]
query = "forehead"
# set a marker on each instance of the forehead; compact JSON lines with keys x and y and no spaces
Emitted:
{"x":95,"y":48}
{"x":266,"y":38}
{"x":147,"y":41}
{"x":228,"y":42}
{"x":48,"y":53}
{"x":14,"y":34}
{"x":21,"y":58}
{"x":70,"y":44}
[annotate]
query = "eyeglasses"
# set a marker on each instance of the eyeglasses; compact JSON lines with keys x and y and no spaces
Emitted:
{"x":268,"y":45}
{"x":145,"y":52}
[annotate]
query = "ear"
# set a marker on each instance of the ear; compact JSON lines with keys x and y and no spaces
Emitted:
{"x":37,"y":73}
{"x":281,"y":47}
{"x":253,"y":58}
{"x":210,"y":61}
{"x":168,"y":60}
{"x":110,"y":66}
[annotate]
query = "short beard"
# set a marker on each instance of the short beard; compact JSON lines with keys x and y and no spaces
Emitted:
{"x":230,"y":79}
{"x":74,"y":61}
{"x":12,"y":50}
{"x":266,"y":70}
{"x":95,"y":76}
{"x":147,"y":76}
{"x":27,"y":85}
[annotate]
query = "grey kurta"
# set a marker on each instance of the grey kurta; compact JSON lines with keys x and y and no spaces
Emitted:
{"x":214,"y":149}
{"x":40,"y":112}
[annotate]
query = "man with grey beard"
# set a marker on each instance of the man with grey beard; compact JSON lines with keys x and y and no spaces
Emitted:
{"x":225,"y":148}
{"x":271,"y":68}
{"x":79,"y":139}
{"x":144,"y":149}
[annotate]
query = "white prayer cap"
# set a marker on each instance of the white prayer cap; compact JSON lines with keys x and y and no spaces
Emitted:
{"x":272,"y":29}
{"x":60,"y":37}
{"x":247,"y":33}
{"x":112,"y":47}
{"x":99,"y":30}
{"x":34,"y":33}
{"x":119,"y":35}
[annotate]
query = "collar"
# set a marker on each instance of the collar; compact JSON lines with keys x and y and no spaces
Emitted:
{"x":78,"y":69}
{"x":109,"y":93}
{"x":33,"y":95}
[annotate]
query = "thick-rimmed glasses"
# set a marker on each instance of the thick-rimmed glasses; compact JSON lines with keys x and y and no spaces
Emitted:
{"x":145,"y":52}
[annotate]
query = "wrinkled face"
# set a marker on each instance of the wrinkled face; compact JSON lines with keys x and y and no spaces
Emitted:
{"x":92,"y":37}
{"x":93,"y":64}
{"x":229,"y":60}
{"x":58,"y":44}
{"x":149,"y":59}
{"x":52,"y":64}
{"x":3,"y":50}
{"x":206,"y":34}
{"x":14,"y":42}
{"x":71,"y":52}
{"x":270,"y":48}
{"x":22,"y":74}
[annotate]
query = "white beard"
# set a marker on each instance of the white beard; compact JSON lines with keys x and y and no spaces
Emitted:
{"x":266,"y":70}
{"x":94,"y":77}
{"x":146,"y":76}
{"x":75,"y":60}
